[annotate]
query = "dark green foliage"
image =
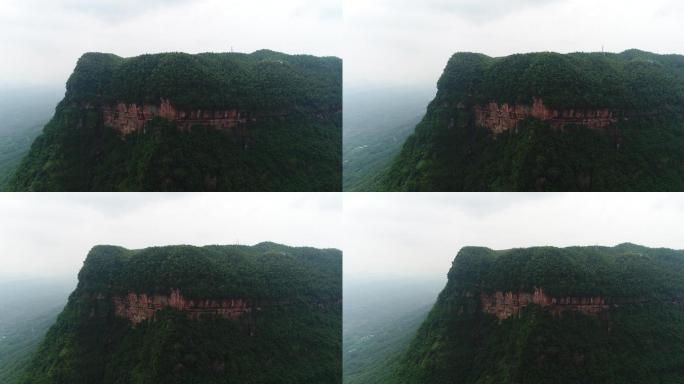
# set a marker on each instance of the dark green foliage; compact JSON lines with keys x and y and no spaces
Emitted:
{"x":294,"y":343}
{"x":639,"y":343}
{"x":632,"y":80}
{"x":644,"y":152}
{"x":263,"y":271}
{"x":626,"y":270}
{"x":260,"y":81}
{"x":300,"y":150}
{"x":272,"y":157}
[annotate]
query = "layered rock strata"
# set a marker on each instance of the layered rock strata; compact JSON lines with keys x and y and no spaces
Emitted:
{"x":506,"y":304}
{"x":142,"y":307}
{"x":129,"y":118}
{"x":499,"y":118}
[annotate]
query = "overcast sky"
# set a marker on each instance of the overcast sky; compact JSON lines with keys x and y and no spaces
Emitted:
{"x":49,"y":234}
{"x":41,"y":40}
{"x":419,"y":234}
{"x":383,"y":42}
{"x":409,"y":41}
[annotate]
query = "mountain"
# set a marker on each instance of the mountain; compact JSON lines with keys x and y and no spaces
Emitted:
{"x":181,"y":314}
{"x":548,"y":121}
{"x":554,"y":315}
{"x":264,"y":121}
{"x":377,"y":121}
{"x":23,"y":113}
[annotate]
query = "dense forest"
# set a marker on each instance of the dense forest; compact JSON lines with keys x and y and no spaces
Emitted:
{"x":642,"y":150}
{"x":294,"y":343}
{"x":630,"y":343}
{"x":290,"y":140}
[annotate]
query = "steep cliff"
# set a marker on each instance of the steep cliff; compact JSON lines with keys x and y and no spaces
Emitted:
{"x":502,"y":118}
{"x":131,"y":118}
{"x":546,"y":121}
{"x":217,"y":314}
{"x":560,"y":315}
{"x":174,"y":121}
{"x":508,"y":304}
{"x":143,"y":307}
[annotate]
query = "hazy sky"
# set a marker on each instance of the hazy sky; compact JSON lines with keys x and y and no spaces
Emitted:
{"x":383,"y":42}
{"x":410,"y":41}
{"x":419,"y":234}
{"x":41,"y":40}
{"x":49,"y":234}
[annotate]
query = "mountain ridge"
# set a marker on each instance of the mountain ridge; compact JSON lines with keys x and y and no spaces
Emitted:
{"x":214,"y":314}
{"x":175,"y":121}
{"x":572,"y":122}
{"x":540,"y":314}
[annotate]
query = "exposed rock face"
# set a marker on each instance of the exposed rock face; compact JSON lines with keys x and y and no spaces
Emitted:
{"x":506,"y":304}
{"x":141,"y":307}
{"x":129,"y":118}
{"x":501,"y":118}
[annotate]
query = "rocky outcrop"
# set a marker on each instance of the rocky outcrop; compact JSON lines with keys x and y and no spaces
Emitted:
{"x":129,"y":118}
{"x":506,"y":304}
{"x":141,"y":307}
{"x":499,"y":118}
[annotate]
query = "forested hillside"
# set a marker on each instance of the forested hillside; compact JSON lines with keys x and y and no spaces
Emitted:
{"x":217,"y":314}
{"x":377,"y":121}
{"x":550,"y":122}
{"x":381,"y":317}
{"x":28,"y":307}
{"x":23,"y":113}
{"x":561,"y":315}
{"x":264,"y":121}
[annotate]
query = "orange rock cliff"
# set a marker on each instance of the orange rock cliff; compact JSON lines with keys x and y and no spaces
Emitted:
{"x":142,"y":307}
{"x":501,"y":118}
{"x":507,"y":304}
{"x":129,"y":118}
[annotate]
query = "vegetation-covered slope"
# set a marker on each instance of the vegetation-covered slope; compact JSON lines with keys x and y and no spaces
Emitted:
{"x":380,"y":319}
{"x":23,"y":114}
{"x":27,"y":310}
{"x":290,"y":138}
{"x":642,"y":150}
{"x":628,"y":343}
{"x":296,"y":341}
{"x":376,"y":124}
